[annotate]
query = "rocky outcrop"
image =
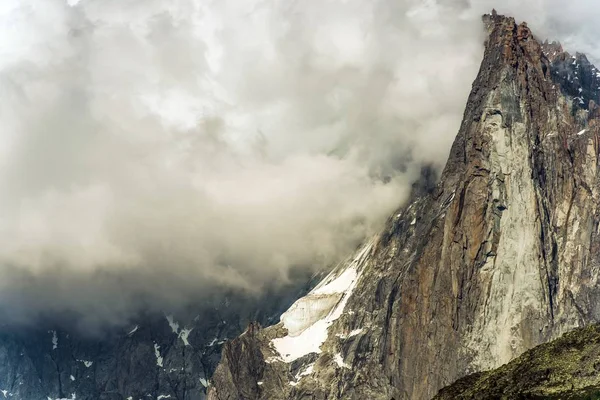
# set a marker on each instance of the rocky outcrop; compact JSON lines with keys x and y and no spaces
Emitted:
{"x":499,"y":257}
{"x":567,"y":368}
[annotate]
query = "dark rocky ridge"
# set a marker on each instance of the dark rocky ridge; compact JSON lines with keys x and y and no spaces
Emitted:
{"x":51,"y":363}
{"x":501,"y":256}
{"x":577,"y":77}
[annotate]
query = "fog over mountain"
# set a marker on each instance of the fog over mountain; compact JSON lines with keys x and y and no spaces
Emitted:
{"x":152,"y":151}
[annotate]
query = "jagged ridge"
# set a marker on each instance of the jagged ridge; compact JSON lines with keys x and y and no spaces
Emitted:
{"x":501,"y":256}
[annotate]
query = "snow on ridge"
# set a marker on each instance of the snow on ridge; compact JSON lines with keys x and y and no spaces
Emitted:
{"x":339,"y":360}
{"x":307,"y":310}
{"x":339,"y":284}
{"x":134,"y":330}
{"x":184,"y":334}
{"x":335,"y":281}
{"x":307,"y":371}
{"x":86,"y":363}
{"x":174,"y":325}
{"x":351,"y":334}
{"x":73,"y":397}
{"x":54,"y":340}
{"x":159,"y":359}
{"x":336,"y":285}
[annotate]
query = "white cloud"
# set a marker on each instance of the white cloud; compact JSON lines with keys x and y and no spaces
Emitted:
{"x":151,"y":148}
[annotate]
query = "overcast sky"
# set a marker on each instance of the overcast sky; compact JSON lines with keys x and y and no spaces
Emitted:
{"x":150,"y":149}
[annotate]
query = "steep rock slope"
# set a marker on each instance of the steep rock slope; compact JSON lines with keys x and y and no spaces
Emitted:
{"x":567,"y":368}
{"x":161,"y":357}
{"x":500,"y":256}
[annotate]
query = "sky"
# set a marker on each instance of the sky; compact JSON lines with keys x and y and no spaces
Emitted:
{"x":154,"y":150}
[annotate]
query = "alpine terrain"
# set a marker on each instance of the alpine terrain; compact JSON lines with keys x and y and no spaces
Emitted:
{"x":500,"y":256}
{"x":497,"y":255}
{"x":160,"y":357}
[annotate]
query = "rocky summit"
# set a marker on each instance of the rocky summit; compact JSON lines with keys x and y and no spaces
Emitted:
{"x":500,"y":256}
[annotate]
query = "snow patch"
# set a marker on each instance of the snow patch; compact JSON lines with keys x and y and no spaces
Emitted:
{"x":307,"y":371}
{"x":351,"y":334}
{"x":306,"y":332}
{"x":582,"y":132}
{"x":163,"y":396}
{"x":307,"y":310}
{"x":86,"y":363}
{"x":184,"y":334}
{"x":174,"y":325}
{"x":339,"y":360}
{"x":4,"y":392}
{"x":159,"y":359}
{"x":73,"y":397}
{"x":134,"y":330}
{"x":72,"y":378}
{"x":204,"y":382}
{"x":54,"y":340}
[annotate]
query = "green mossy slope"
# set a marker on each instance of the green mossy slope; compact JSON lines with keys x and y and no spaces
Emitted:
{"x":567,"y":368}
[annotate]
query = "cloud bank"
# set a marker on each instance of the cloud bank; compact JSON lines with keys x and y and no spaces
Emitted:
{"x":154,"y":150}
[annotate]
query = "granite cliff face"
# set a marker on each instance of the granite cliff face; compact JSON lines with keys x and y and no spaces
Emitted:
{"x":498,"y":257}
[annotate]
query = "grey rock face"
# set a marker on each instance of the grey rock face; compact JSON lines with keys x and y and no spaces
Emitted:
{"x":499,"y":257}
{"x":163,"y":357}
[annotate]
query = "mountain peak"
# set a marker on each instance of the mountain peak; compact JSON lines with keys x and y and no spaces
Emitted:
{"x":502,"y":256}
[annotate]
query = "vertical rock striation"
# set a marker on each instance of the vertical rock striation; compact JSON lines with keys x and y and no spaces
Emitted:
{"x":500,"y":256}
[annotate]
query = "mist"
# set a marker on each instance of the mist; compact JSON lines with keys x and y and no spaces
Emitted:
{"x":153,"y":151}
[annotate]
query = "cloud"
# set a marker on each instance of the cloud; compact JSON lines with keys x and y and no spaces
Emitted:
{"x":152,"y":150}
